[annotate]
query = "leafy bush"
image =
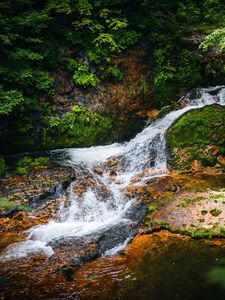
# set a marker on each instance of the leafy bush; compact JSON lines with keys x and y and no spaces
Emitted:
{"x":84,"y":77}
{"x":174,"y":70}
{"x":9,"y":100}
{"x":21,"y":170}
{"x":26,"y":162}
{"x":80,"y":125}
{"x":114,"y":72}
{"x":216,"y":38}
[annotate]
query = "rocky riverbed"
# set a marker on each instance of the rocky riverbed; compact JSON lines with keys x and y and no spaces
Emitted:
{"x":79,"y":232}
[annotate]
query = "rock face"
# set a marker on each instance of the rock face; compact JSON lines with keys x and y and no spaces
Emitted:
{"x":125,"y":103}
{"x":111,"y":98}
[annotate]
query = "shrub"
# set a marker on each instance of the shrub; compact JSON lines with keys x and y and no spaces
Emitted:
{"x":80,"y":125}
{"x":26,"y":162}
{"x":114,"y":72}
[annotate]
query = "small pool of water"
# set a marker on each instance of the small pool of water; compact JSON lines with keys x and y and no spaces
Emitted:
{"x":156,"y":267}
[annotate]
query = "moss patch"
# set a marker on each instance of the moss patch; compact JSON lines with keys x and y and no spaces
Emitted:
{"x":194,"y":135}
{"x":205,"y":126}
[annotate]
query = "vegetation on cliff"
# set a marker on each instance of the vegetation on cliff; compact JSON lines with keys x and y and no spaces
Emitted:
{"x":87,"y":40}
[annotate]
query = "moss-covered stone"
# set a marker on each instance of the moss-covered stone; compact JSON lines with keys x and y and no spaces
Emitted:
{"x":205,"y":126}
{"x":198,"y":136}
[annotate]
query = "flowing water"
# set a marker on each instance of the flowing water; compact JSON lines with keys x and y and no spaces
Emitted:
{"x":103,"y":203}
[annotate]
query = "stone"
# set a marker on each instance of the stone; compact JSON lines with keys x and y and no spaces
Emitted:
{"x":221,"y":159}
{"x":196,"y":166}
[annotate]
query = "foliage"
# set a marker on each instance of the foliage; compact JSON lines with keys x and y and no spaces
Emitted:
{"x":84,"y":38}
{"x":9,"y":100}
{"x":80,"y":125}
{"x":216,"y":38}
{"x":83,"y":77}
{"x":171,"y":73}
{"x":27,"y":162}
{"x":143,"y":85}
{"x":207,"y":160}
{"x":114,"y":72}
{"x":32,"y":34}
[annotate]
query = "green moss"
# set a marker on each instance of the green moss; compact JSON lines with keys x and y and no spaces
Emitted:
{"x":215,"y":212}
{"x":194,"y":132}
{"x":205,"y":126}
{"x":218,"y":197}
{"x":162,"y":224}
{"x":151,"y":209}
{"x":12,"y":205}
{"x":199,"y":233}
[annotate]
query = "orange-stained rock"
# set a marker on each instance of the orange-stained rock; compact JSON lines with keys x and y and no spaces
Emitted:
{"x":112,"y":162}
{"x":99,"y":171}
{"x":153,"y":113}
{"x":214,"y":150}
{"x":196,"y":166}
{"x":112,"y":173}
{"x":221,"y":159}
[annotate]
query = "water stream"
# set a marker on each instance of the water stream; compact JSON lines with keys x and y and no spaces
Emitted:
{"x":103,"y":203}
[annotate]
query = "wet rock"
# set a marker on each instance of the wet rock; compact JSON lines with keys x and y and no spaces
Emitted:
{"x":92,"y":246}
{"x":112,"y":162}
{"x":196,"y":166}
{"x":77,"y":295}
{"x":195,"y":39}
{"x":221,"y":159}
{"x":67,"y":272}
{"x":37,"y":185}
{"x":195,"y":209}
{"x":99,"y":171}
{"x":63,"y":82}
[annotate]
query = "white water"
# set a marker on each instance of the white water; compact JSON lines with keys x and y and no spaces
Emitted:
{"x":142,"y":158}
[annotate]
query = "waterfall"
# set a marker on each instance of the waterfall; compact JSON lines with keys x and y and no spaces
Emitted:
{"x":103,"y":201}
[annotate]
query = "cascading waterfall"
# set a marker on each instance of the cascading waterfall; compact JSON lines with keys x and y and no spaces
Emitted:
{"x":104,"y":203}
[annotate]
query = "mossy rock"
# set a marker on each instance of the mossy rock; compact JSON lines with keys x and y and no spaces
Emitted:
{"x":202,"y":127}
{"x":8,"y":208}
{"x":191,"y":137}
